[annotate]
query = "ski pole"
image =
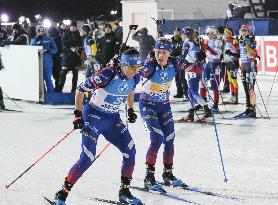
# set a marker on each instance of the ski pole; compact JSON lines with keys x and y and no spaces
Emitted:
{"x":49,"y":150}
{"x":271,"y":87}
{"x":259,"y":111}
{"x":100,"y":153}
{"x":262,"y":100}
{"x":218,"y":143}
{"x":126,"y":116}
{"x":13,"y":101}
{"x":217,"y":138}
{"x":216,"y":82}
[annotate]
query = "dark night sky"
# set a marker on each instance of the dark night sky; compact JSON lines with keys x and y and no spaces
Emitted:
{"x":59,"y":9}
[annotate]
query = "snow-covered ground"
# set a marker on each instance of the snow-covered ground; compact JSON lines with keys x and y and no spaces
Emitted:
{"x":249,"y":148}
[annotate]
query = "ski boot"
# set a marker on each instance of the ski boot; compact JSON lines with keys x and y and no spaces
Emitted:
{"x":61,"y":196}
{"x":226,"y":88}
{"x":232,"y":100}
{"x":207,"y":111}
{"x":215,"y":108}
{"x":125,"y":196}
{"x":185,"y":98}
{"x":169,"y":178}
{"x":206,"y":115}
{"x":178,"y":95}
{"x":251,"y":113}
{"x":149,"y":181}
{"x":189,"y":117}
{"x":198,"y":107}
{"x":2,"y":105}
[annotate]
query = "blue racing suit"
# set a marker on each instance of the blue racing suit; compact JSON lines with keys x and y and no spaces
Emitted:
{"x":49,"y":48}
{"x":101,"y":116}
{"x":155,"y":109}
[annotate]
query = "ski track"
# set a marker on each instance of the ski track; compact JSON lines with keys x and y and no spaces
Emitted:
{"x":249,"y":149}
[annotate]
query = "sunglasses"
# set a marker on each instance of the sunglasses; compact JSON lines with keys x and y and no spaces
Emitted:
{"x":134,"y":68}
{"x":244,"y":30}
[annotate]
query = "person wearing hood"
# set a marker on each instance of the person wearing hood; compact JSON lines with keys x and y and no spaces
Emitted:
{"x":108,"y":46}
{"x":146,"y":42}
{"x":18,"y":36}
{"x":71,"y":60}
{"x":53,"y":33}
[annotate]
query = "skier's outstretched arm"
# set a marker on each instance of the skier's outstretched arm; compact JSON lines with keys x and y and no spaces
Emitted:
{"x":130,"y":99}
{"x":79,"y":96}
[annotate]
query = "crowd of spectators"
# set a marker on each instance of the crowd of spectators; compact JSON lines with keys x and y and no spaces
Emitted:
{"x":67,"y":48}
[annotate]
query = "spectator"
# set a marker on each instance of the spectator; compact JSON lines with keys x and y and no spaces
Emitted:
{"x":71,"y":60}
{"x":3,"y":34}
{"x":31,"y":32}
{"x":87,"y":43}
{"x":181,"y":82}
{"x":119,"y":32}
{"x":108,"y":46}
{"x":53,"y":33}
{"x":18,"y":36}
{"x":62,"y":28}
{"x":99,"y":31}
{"x":2,"y":105}
{"x":49,"y":48}
{"x":146,"y":42}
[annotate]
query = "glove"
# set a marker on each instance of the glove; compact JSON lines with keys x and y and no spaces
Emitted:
{"x":78,"y":121}
{"x":46,"y":50}
{"x":201,"y":55}
{"x":228,"y":52}
{"x":131,"y":115}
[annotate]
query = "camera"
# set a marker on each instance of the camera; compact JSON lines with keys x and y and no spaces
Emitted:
{"x":160,"y":22}
{"x":133,"y":27}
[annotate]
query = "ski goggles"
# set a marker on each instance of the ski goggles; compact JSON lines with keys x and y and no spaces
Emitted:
{"x":134,"y":68}
{"x":132,"y":60}
{"x":244,"y":30}
{"x":40,"y":30}
{"x":229,"y":31}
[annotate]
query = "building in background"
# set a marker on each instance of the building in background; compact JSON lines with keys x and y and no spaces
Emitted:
{"x":145,"y":12}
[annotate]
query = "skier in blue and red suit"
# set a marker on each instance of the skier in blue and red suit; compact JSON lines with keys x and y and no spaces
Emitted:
{"x":112,"y":87}
{"x":155,"y":109}
{"x":192,"y":59}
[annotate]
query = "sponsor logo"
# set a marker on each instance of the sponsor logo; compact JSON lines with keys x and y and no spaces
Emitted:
{"x":125,"y":129}
{"x":150,"y":117}
{"x":97,"y":79}
{"x":126,"y":155}
{"x":123,"y":88}
{"x":87,"y":134}
{"x":171,"y":136}
{"x":158,"y":131}
{"x":94,"y":116}
{"x":170,"y":120}
{"x":88,"y":153}
{"x":131,"y":144}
